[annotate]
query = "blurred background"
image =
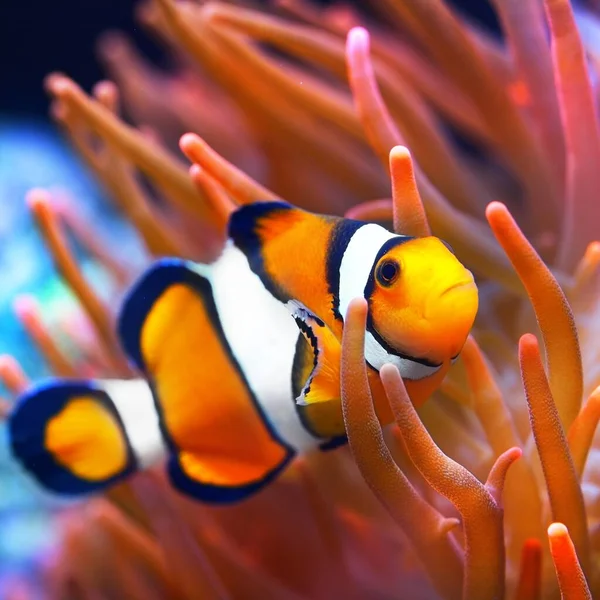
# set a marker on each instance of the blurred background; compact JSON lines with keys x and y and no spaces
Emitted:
{"x":36,"y":38}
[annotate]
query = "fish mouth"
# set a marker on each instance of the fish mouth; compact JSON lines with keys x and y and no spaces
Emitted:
{"x":465,"y":283}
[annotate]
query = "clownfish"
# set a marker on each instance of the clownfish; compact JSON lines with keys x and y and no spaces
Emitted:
{"x":240,"y":358}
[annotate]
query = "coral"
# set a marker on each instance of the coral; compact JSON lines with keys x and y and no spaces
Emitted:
{"x":493,"y":489}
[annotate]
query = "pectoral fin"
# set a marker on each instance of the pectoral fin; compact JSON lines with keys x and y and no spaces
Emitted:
{"x":323,"y":382}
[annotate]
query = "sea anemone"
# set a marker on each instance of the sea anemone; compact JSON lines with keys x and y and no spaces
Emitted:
{"x":493,"y":489}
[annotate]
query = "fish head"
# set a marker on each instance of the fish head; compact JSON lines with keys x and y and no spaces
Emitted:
{"x":422,"y":300}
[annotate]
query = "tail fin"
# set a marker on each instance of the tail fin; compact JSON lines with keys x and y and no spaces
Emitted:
{"x":80,"y":437}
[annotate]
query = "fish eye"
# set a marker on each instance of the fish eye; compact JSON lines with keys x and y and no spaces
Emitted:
{"x":387,"y":272}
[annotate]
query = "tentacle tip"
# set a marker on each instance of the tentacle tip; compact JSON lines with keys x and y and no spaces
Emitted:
{"x":495,"y":209}
{"x":497,"y":476}
{"x":188,"y":141}
{"x":195,"y":171}
{"x":400,"y":153}
{"x":515,"y":453}
{"x":25,"y":306}
{"x":8,"y":364}
{"x":532,"y":545}
{"x":388,"y":370}
{"x":37,"y":198}
{"x":105,"y":90}
{"x":528,"y":342}
{"x":449,"y":524}
{"x":358,"y":38}
{"x":593,"y":248}
{"x":58,"y":84}
{"x":558,"y":530}
{"x":356,"y":315}
{"x":357,"y":304}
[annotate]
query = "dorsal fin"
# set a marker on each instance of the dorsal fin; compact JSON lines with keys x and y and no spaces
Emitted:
{"x":287,"y":248}
{"x":252,"y":224}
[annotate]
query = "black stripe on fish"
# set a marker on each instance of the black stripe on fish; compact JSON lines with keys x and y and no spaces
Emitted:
{"x":341,"y":235}
{"x":243,"y":231}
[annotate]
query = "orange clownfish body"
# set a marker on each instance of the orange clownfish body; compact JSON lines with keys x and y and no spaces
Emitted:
{"x":241,"y":358}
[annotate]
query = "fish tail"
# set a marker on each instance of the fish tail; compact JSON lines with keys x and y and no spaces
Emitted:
{"x":79,"y":437}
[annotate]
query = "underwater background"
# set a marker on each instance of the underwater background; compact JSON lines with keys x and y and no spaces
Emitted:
{"x":37,"y":38}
